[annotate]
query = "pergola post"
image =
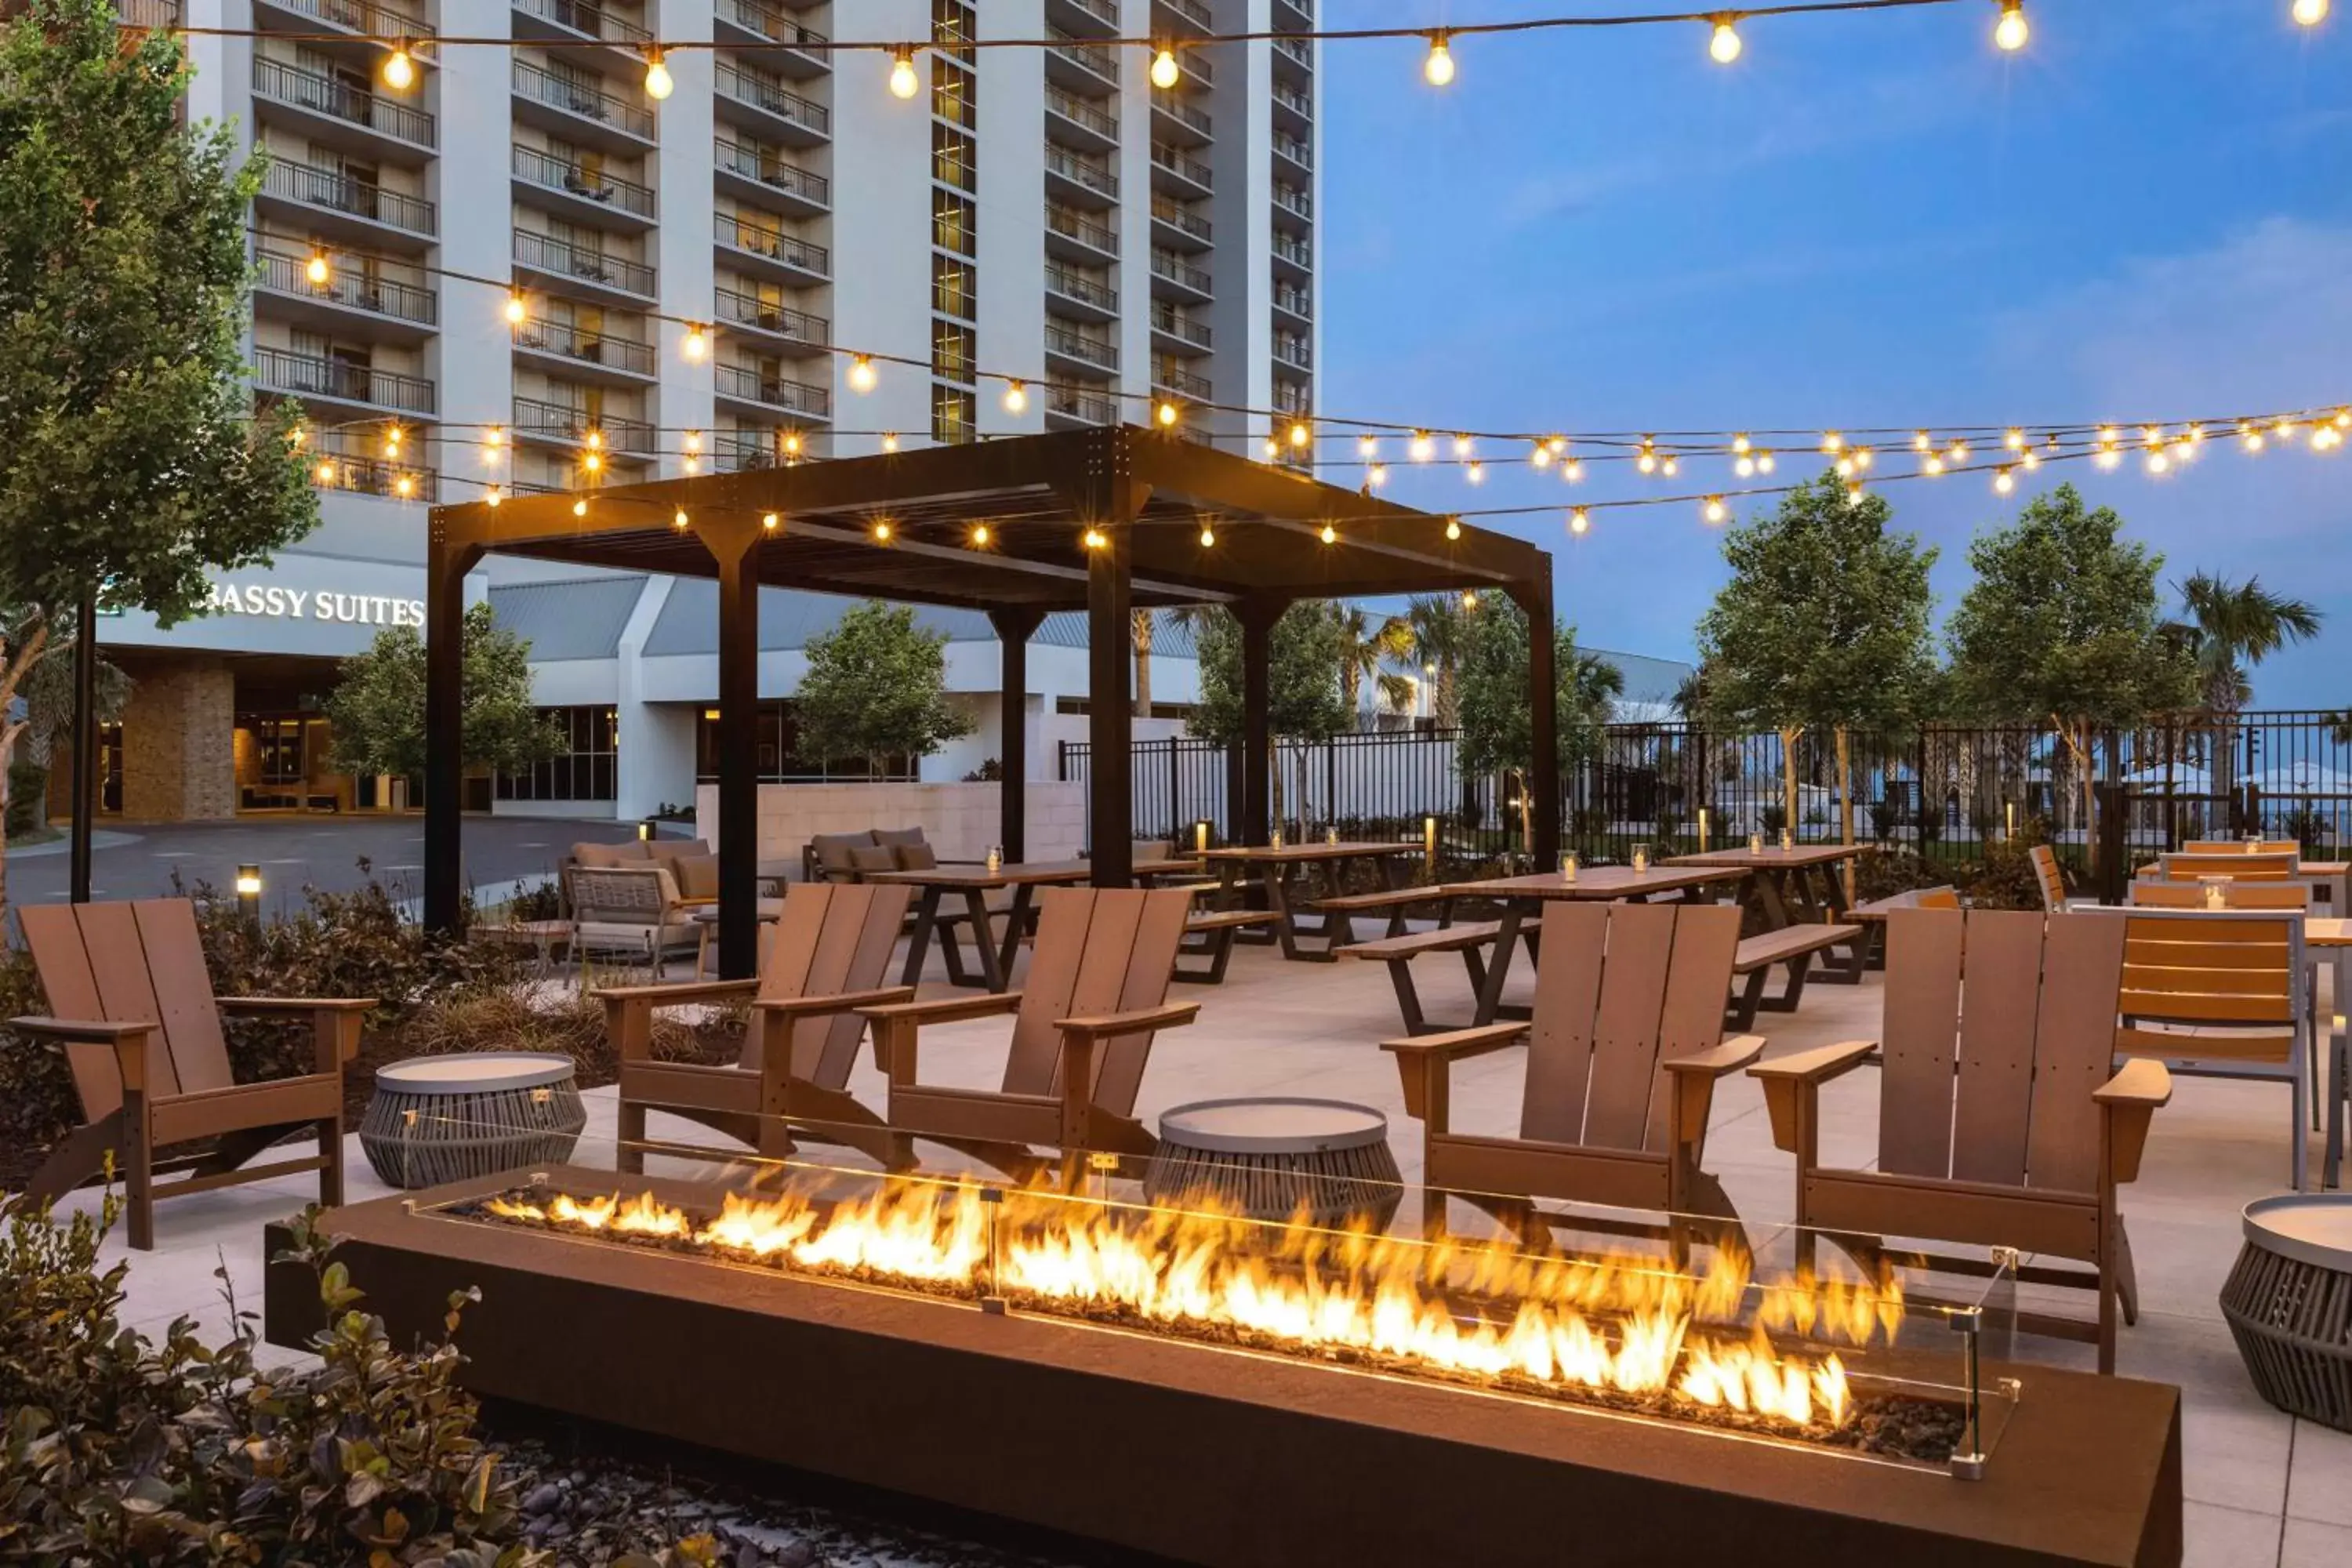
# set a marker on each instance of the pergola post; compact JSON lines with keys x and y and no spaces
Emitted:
{"x":1013,"y":630}
{"x":1108,"y":498}
{"x":1257,"y":617}
{"x":734,"y":544}
{"x":1534,"y":597}
{"x":446,"y":566}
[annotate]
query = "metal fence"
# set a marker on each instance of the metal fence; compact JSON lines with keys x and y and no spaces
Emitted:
{"x":1945,"y":790}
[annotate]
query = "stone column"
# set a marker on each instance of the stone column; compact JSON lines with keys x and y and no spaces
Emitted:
{"x":179,"y":744}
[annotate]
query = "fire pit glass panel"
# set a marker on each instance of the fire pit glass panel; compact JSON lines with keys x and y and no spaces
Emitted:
{"x":1756,"y":1330}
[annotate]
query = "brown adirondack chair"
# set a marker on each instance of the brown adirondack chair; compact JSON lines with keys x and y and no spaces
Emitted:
{"x":1623,"y":1051}
{"x":131,"y":1002}
{"x":1082,"y":1031}
{"x":827,"y":955}
{"x":2002,"y":1120}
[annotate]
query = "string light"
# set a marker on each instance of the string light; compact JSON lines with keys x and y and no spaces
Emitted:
{"x":594,"y":440}
{"x":770,"y":521}
{"x":792,"y":443}
{"x":2310,"y":13}
{"x":2108,"y":458}
{"x":696,"y":342}
{"x":1376,"y":476}
{"x":317,"y":270}
{"x":392,"y":441}
{"x":1475,"y":473}
{"x":1933,"y":466}
{"x":580,"y":506}
{"x":890,"y":440}
{"x":297,"y":436}
{"x":1740,"y":443}
{"x":1420,"y":448}
{"x":881,"y":531}
{"x":690,"y":465}
{"x":1164,"y":69}
{"x":2010,"y":32}
{"x":1540,"y":456}
{"x":1724,"y":45}
{"x":1764,"y":463}
{"x":1016,"y":397}
{"x":1578,"y":520}
{"x":494,"y":441}
{"x":491,"y":497}
{"x":980,"y":535}
{"x":1273,"y":448}
{"x":2014,"y":440}
{"x":1670,"y":466}
{"x":2004,"y":481}
{"x":1853,"y":493}
{"x":862,"y":374}
{"x":903,"y":83}
{"x":2251,"y":437}
{"x":1208,"y":537}
{"x":1958,"y":453}
{"x":518,"y":309}
{"x":1469,"y":601}
{"x":1093,"y":539}
{"x":1299,"y":434}
{"x":2158,"y":463}
{"x":1921,"y":441}
{"x":1437,"y":69}
{"x":1715,"y":511}
{"x":1572,"y":470}
{"x":2033,"y":460}
{"x":1329,"y":535}
{"x":1452,"y":528}
{"x":1165,"y":414}
{"x":400,"y":68}
{"x":1844,"y":466}
{"x":677,"y":519}
{"x":657,"y":77}
{"x":693,"y":441}
{"x":2342,"y":422}
{"x":1832,"y":443}
{"x":1648,"y":459}
{"x":325,"y":472}
{"x":404,"y":486}
{"x":1368,"y":447}
{"x":591,"y":463}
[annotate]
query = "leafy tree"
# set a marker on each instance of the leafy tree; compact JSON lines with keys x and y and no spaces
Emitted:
{"x":1437,"y":626}
{"x":1369,"y":646}
{"x":2062,"y":625}
{"x":1304,"y":653}
{"x":129,"y":464}
{"x":876,"y":687}
{"x":1825,"y":622}
{"x":377,"y":708}
{"x":1498,"y":720}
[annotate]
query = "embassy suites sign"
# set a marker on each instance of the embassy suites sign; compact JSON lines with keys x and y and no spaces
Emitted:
{"x":273,"y":601}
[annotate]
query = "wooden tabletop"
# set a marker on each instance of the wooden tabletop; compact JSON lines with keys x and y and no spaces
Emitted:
{"x":1346,"y":849}
{"x":1773,"y":854}
{"x":1032,"y":873}
{"x":1593,"y":882}
{"x":2323,"y":930}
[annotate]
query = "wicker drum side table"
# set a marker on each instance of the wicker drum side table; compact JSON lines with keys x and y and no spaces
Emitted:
{"x":1270,"y":1158}
{"x":445,"y":1119}
{"x":2289,"y":1304}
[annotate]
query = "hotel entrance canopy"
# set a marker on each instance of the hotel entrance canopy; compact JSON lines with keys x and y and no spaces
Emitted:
{"x":1105,"y":521}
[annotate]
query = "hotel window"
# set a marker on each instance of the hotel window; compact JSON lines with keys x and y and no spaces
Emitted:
{"x":955,"y":223}
{"x":955,"y":415}
{"x":954,"y":351}
{"x":584,"y":770}
{"x":955,"y":289}
{"x":954,"y":94}
{"x":952,"y":162}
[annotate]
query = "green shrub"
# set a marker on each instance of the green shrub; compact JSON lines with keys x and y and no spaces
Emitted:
{"x":28,"y":797}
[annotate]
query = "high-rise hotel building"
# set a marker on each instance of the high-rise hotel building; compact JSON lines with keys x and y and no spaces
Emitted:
{"x":523,"y":267}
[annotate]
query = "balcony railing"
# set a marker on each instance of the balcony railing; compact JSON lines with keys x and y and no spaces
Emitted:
{"x":315,"y":376}
{"x":546,"y":255}
{"x":748,"y":384}
{"x":588,"y":103}
{"x":1297,"y":301}
{"x":352,"y":16}
{"x":560,"y":422}
{"x":1184,"y":113}
{"x":594,"y":20}
{"x":1075,"y":285}
{"x":1078,"y":110}
{"x":774,"y":172}
{"x":1292,"y":148}
{"x":1192,"y":11}
{"x":1173,"y":159}
{"x":1296,"y":49}
{"x":1105,"y":11}
{"x":281,"y":83}
{"x":1292,"y":98}
{"x":1176,"y":269}
{"x":761,"y":92}
{"x":1076,"y":226}
{"x":336,"y":462}
{"x":1079,"y":346}
{"x":1167,"y":317}
{"x":1089,"y":57}
{"x":1294,"y":353}
{"x":338,"y":192}
{"x":569,"y":341}
{"x":562,"y":174}
{"x":1070,"y":166}
{"x":1305,"y":9}
{"x":773,"y":243}
{"x":283,"y":272}
{"x":1171,"y":375}
{"x":1093,"y":407}
{"x":1295,"y":251}
{"x":779,"y":26}
{"x":736,"y":309}
{"x":1167,"y":209}
{"x":1290,"y":198}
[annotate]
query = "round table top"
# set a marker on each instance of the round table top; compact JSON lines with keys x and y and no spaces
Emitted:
{"x":2310,"y":1228}
{"x":475,"y":1072}
{"x":1271,"y":1124}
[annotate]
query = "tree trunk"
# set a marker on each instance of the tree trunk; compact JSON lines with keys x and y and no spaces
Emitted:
{"x":1845,"y":805}
{"x":1143,"y":630}
{"x":1447,"y":708}
{"x":1789,"y":739}
{"x":14,"y":665}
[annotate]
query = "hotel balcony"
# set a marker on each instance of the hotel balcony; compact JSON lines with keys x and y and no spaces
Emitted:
{"x":1077,"y":237}
{"x":544,"y":423}
{"x":1175,"y":332}
{"x":1294,"y":352}
{"x":1294,"y":257}
{"x":319,"y":380}
{"x":744,"y":387}
{"x":1070,"y":410}
{"x":1179,"y":122}
{"x":577,"y":354}
{"x":333,"y":205}
{"x":1296,"y":13}
{"x":334,"y":113}
{"x":1079,"y":297}
{"x":570,"y":21}
{"x":575,"y":270}
{"x":1075,"y":182}
{"x":1191,"y":11}
{"x":342,"y":460}
{"x":581,"y":195}
{"x":1294,"y":301}
{"x":362,"y":297}
{"x":763,"y":177}
{"x":770,"y":252}
{"x":775,"y":325}
{"x":749,"y":25}
{"x":1294,"y":109}
{"x":1294,"y":58}
{"x":1087,"y":68}
{"x":1293,"y":151}
{"x":1088,"y":19}
{"x":1292,"y":207}
{"x":1070,"y":352}
{"x":580,"y":113}
{"x":1170,"y":375}
{"x":352,"y":31}
{"x":1175,"y":226}
{"x":1174,"y":277}
{"x":750,"y":100}
{"x":1080,"y":123}
{"x":1176,"y":173}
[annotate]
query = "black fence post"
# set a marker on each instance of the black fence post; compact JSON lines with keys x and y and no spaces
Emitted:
{"x":2112,"y":872}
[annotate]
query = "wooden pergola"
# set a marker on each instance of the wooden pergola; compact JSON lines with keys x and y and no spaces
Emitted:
{"x":1144,"y":497}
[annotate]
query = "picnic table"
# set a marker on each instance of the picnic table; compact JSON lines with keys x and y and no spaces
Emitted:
{"x":1523,"y":896}
{"x":1798,"y":883}
{"x":972,"y":884}
{"x":1274,"y":868}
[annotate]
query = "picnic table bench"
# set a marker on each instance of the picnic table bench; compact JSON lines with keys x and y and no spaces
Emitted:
{"x":1793,"y":947}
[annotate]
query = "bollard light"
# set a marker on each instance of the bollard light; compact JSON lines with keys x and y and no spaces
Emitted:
{"x":646,"y":831}
{"x":1200,"y":838}
{"x":248,"y":890}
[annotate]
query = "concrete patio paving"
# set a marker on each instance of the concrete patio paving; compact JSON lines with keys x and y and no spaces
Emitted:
{"x":2262,"y":1487}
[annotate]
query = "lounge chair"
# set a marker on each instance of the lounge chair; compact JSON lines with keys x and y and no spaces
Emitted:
{"x":826,"y":954}
{"x":2002,"y":1120}
{"x":635,"y":912}
{"x":131,"y":1001}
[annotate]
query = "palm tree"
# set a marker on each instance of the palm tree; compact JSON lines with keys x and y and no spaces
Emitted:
{"x":1365,"y":649}
{"x":1437,"y":630}
{"x":1144,"y":624}
{"x":2229,"y":628}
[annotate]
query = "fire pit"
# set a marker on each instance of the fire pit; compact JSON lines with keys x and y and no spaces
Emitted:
{"x":926,"y":1298}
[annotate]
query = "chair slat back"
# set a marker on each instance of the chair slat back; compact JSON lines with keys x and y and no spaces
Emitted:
{"x":1098,"y":951}
{"x":2239,"y":867}
{"x":2053,"y":881}
{"x":2233,"y":967}
{"x":119,"y":961}
{"x":1152,"y":966}
{"x":2234,"y":895}
{"x":1999,"y":1025}
{"x":1623,"y":989}
{"x":829,"y":938}
{"x":2237,"y":847}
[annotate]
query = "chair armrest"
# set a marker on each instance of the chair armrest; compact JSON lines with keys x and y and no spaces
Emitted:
{"x":2127,"y":1103}
{"x":676,"y":994}
{"x":2138,"y":1083}
{"x":942,"y":1010}
{"x":1793,"y":1087}
{"x":1167,"y":1016}
{"x":1454,"y":1043}
{"x":1819,"y":1065}
{"x":295,"y":1004}
{"x":82,"y":1030}
{"x":840,"y":1002}
{"x":1727,"y":1057}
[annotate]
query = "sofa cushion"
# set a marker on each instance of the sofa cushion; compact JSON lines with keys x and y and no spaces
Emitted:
{"x":831,"y":851}
{"x":915,"y":857}
{"x":599,"y":855}
{"x":895,"y":837}
{"x":697,"y":876}
{"x":865,"y":858}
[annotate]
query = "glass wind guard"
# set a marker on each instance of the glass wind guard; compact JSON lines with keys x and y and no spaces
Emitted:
{"x":1748,"y":1331}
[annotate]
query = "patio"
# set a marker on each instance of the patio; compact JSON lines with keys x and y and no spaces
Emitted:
{"x":2263,"y":1488}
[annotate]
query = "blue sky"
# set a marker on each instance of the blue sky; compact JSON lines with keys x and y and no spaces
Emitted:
{"x":1866,"y":220}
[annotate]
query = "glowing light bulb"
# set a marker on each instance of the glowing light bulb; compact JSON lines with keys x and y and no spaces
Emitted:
{"x":1461,"y":447}
{"x":1421,"y":446}
{"x":2158,"y":463}
{"x":657,"y":78}
{"x":1578,"y":520}
{"x":1377,"y":475}
{"x":1845,"y":467}
{"x":1670,"y":466}
{"x":890,"y":440}
{"x":1739,"y":444}
{"x":1647,"y":462}
{"x":2107,"y":435}
{"x":400,"y":68}
{"x":594,"y":440}
{"x":677,"y":519}
{"x":1958,"y":452}
{"x":1715,"y":511}
{"x":882,"y":531}
{"x":2286,"y":429}
{"x":1329,"y":535}
{"x":517,"y":310}
{"x":2254,"y":440}
{"x":580,"y":509}
{"x":696,"y":342}
{"x":2310,"y":13}
{"x":1164,"y":71}
{"x":325,"y":472}
{"x":1724,"y":46}
{"x":2109,"y":459}
{"x":1093,"y":539}
{"x":1764,"y":462}
{"x":1367,"y":448}
{"x":1469,"y":598}
{"x":1438,"y":68}
{"x":392,"y":442}
{"x":1861,"y":458}
{"x":690,"y":465}
{"x":1556,"y":445}
{"x":1921,"y":441}
{"x":1539,"y":455}
{"x":2004,"y":481}
{"x":1475,"y":473}
{"x":1208,"y":536}
{"x":2010,"y":32}
{"x":491,"y":497}
{"x":979,"y":534}
{"x":1273,"y":448}
{"x":317,"y":269}
{"x":792,"y":443}
{"x":770,"y":521}
{"x":2342,"y":422}
{"x":1452,"y":528}
{"x":1934,"y":465}
{"x":495,"y":437}
{"x":1745,"y":468}
{"x":1016,"y":397}
{"x":693,"y":441}
{"x":2151,"y":434}
{"x":862,"y":374}
{"x":1299,"y":434}
{"x":1165,"y":413}
{"x":1853,"y":493}
{"x":902,"y":74}
{"x":404,"y":486}
{"x":1831,"y":442}
{"x":591,"y":463}
{"x":2014,"y":440}
{"x":2033,"y":460}
{"x":1572,"y":471}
